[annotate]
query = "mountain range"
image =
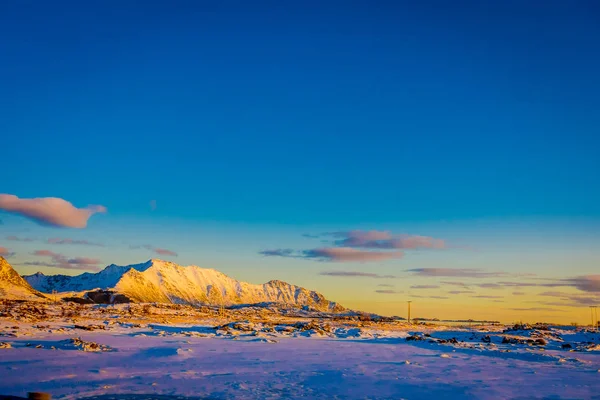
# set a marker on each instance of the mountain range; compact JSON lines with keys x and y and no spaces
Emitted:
{"x":158,"y":281}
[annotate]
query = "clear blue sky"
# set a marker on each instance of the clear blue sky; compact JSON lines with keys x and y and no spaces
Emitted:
{"x":289,"y":117}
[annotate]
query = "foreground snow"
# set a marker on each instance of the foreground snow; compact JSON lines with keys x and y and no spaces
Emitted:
{"x":293,"y":358}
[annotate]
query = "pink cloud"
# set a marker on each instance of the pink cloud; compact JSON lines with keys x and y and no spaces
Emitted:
{"x":45,"y":253}
{"x":72,"y":241}
{"x":61,"y":261}
{"x":4,"y":252}
{"x":385,"y":240}
{"x":164,"y":252}
{"x":50,"y":210}
{"x":347,"y":254}
{"x":157,"y":250}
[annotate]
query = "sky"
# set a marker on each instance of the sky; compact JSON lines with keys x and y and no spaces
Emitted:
{"x":377,"y":152}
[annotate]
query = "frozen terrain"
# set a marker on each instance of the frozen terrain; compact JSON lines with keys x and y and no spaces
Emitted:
{"x":75,"y":351}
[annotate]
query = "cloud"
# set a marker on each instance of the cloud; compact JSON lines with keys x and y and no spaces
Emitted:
{"x":518,"y":293}
{"x":157,"y":250}
{"x":334,"y":254}
{"x":460,"y":292}
{"x":72,"y":241}
{"x":153,"y":205}
{"x":50,"y":210}
{"x":4,"y":252}
{"x":350,"y":274}
{"x":572,"y":299}
{"x":488,"y":285}
{"x":518,"y":284}
{"x":278,"y":253}
{"x":347,"y":254}
{"x":485,"y":296}
{"x":586,"y":283}
{"x":387,"y":291}
{"x":164,"y":252}
{"x":430,"y":297}
{"x":425,"y":287}
{"x":63,"y":266}
{"x":459,"y":284}
{"x":385,"y":285}
{"x":19,"y":239}
{"x":385,"y":240}
{"x":537,"y":309}
{"x":61,"y":261}
{"x":455,"y":272}
{"x":359,"y":246}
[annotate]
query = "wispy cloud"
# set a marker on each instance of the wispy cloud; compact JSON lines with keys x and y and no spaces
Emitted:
{"x":518,"y":293}
{"x":72,"y":241}
{"x":455,"y":272}
{"x":351,"y":274}
{"x":485,"y":296}
{"x":388,"y":291}
{"x":279,"y":253}
{"x":537,"y":309}
{"x":430,"y":297}
{"x":4,"y":252}
{"x":61,"y":261}
{"x":385,"y":285}
{"x":19,"y":239}
{"x":385,"y":240}
{"x":488,"y":285}
{"x":359,"y":246}
{"x":334,"y":254}
{"x":157,"y":250}
{"x":425,"y":287}
{"x":452,"y":283}
{"x":460,"y":292}
{"x":50,"y":210}
{"x":571,"y":299}
{"x":586,"y":283}
{"x":347,"y":254}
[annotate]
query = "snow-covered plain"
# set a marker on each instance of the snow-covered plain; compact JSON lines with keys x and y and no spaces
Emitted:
{"x":247,"y":354}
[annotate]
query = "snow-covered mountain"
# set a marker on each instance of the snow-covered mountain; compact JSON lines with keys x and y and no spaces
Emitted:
{"x":14,"y":287}
{"x":166,"y":282}
{"x":105,"y":279}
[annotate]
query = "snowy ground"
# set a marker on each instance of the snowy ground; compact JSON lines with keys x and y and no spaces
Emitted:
{"x":291,"y":358}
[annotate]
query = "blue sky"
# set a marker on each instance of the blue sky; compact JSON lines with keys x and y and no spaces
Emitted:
{"x":250,"y":125}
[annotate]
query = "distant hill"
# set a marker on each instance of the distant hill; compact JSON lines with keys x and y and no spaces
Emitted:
{"x":160,"y":281}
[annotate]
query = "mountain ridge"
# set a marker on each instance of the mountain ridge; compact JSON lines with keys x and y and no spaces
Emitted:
{"x":159,"y":281}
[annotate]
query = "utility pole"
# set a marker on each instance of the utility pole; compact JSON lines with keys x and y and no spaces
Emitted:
{"x":409,"y":311}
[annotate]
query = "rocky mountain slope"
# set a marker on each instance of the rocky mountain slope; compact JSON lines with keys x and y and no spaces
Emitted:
{"x":14,"y":287}
{"x":160,"y":281}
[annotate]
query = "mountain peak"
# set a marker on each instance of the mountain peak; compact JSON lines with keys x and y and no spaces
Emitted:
{"x":13,"y":286}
